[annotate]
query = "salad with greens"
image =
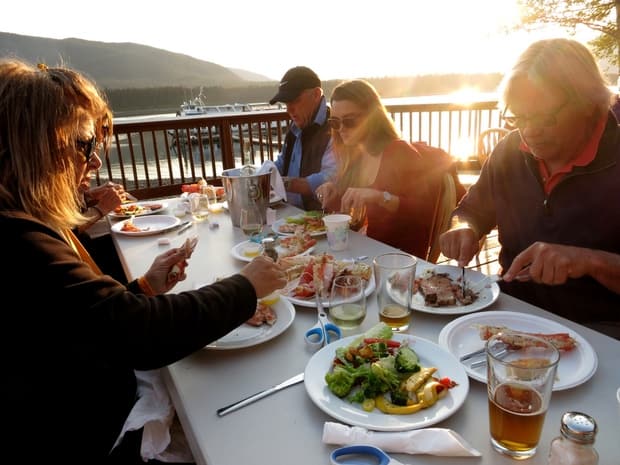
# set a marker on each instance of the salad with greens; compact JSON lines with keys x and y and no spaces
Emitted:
{"x":378,"y":371}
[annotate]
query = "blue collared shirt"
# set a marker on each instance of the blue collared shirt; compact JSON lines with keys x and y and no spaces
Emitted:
{"x":328,"y":162}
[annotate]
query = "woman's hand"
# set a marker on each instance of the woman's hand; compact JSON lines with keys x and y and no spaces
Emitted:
{"x":327,"y":193}
{"x":265,"y":275}
{"x":108,"y":196}
{"x":167,"y":270}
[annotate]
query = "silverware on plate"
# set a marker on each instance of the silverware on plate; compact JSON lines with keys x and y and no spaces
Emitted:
{"x":259,"y":395}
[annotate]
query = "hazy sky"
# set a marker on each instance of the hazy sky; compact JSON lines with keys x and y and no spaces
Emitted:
{"x":337,"y":38}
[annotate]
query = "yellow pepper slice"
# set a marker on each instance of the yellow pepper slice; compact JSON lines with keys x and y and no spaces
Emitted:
{"x":387,"y":407}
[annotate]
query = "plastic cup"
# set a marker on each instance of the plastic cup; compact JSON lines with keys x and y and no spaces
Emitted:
{"x":337,"y":226}
{"x":519,"y":386}
{"x":394,"y":275}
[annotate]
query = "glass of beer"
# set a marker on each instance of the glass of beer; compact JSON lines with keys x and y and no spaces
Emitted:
{"x":519,"y":385}
{"x":347,"y":301}
{"x":394,"y":275}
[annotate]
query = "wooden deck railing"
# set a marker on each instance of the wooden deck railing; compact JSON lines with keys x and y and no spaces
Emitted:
{"x":152,"y":157}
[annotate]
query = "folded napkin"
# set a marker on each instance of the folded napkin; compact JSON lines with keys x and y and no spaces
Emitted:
{"x":162,"y":438}
{"x":277,"y":184}
{"x":432,"y":441}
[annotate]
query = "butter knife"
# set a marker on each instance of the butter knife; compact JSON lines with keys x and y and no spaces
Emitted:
{"x":259,"y":395}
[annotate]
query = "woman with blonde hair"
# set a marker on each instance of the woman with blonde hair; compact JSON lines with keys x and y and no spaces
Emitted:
{"x":388,"y":185}
{"x":78,"y":335}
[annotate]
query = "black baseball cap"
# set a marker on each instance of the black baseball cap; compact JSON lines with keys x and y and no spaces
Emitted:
{"x":294,"y":81}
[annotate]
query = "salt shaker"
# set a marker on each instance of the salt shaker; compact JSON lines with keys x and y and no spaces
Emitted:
{"x":575,"y":445}
{"x":269,"y":248}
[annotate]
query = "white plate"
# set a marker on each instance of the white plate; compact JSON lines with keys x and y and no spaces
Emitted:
{"x":311,"y":302}
{"x":576,"y":366}
{"x":146,"y":211}
{"x":248,"y":335}
{"x":237,"y":250}
{"x":430,"y":355}
{"x":276,"y":228}
{"x":486,"y":296}
{"x":155,"y":224}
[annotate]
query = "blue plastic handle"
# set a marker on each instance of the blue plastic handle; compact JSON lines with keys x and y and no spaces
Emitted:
{"x":358,"y":451}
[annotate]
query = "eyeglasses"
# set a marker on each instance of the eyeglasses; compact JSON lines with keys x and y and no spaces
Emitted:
{"x":88,"y":148}
{"x":536,"y":121}
{"x":348,"y":122}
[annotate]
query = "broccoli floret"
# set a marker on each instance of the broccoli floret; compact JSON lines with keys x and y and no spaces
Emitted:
{"x":407,"y":360}
{"x":399,"y":397}
{"x":342,"y":378}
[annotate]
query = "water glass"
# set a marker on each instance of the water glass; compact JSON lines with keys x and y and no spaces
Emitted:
{"x":347,"y":302}
{"x":394,"y":275}
{"x":519,"y":386}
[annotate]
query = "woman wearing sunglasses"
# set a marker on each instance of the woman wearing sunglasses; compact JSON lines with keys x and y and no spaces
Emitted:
{"x":77,"y":335}
{"x":388,"y":185}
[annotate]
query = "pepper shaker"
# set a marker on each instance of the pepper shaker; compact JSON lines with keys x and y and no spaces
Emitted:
{"x":269,"y":248}
{"x":575,"y":445}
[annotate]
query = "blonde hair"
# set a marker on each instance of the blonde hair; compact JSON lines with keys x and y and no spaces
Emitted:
{"x":41,"y":109}
{"x":562,"y":64}
{"x":379,"y":126}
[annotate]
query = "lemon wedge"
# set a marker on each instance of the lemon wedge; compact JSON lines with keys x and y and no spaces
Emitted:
{"x":270,"y":299}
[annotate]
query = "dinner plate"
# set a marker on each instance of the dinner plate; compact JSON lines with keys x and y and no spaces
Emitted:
{"x":247,"y":335}
{"x":146,"y":210}
{"x":156,"y":224}
{"x":278,"y":223}
{"x":486,"y":296}
{"x":431,"y":355}
{"x":238,"y":251}
{"x":311,"y":301}
{"x":461,"y":337}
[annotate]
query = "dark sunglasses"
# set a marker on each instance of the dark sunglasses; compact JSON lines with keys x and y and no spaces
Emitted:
{"x":537,"y":121}
{"x":88,"y":148}
{"x":348,"y":123}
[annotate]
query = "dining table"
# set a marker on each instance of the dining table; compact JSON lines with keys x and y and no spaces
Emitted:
{"x":287,"y":427}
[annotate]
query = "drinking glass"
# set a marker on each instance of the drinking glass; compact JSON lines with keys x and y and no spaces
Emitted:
{"x":251,"y":220}
{"x":394,"y":275}
{"x":199,"y":206}
{"x":347,"y":301}
{"x":519,"y":386}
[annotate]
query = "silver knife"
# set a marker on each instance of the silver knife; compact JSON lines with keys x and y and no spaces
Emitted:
{"x":259,"y":395}
{"x":183,"y":226}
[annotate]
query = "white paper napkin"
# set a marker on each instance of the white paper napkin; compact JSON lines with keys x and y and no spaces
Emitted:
{"x":277,"y":183}
{"x":432,"y":441}
{"x":154,"y":412}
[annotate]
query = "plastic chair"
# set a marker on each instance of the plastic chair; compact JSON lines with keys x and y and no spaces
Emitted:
{"x":446,"y":203}
{"x":487,"y":140}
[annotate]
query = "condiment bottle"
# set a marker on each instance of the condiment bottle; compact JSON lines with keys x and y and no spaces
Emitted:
{"x":575,"y":445}
{"x":269,"y":248}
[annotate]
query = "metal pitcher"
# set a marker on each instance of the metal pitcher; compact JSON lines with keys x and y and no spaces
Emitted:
{"x":243,"y":187}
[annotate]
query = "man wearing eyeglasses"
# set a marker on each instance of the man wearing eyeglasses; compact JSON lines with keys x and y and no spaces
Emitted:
{"x":306,"y":160}
{"x":552,"y":188}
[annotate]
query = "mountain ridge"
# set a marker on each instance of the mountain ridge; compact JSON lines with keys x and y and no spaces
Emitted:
{"x":125,"y":65}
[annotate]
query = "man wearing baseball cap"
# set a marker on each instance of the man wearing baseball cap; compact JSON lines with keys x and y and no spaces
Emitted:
{"x":306,"y":160}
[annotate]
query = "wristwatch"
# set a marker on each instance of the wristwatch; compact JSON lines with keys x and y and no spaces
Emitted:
{"x":386,"y":197}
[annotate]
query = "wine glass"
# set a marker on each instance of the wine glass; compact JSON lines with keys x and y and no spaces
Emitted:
{"x":251,"y":221}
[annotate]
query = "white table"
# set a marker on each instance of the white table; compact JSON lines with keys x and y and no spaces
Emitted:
{"x":287,"y":427}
